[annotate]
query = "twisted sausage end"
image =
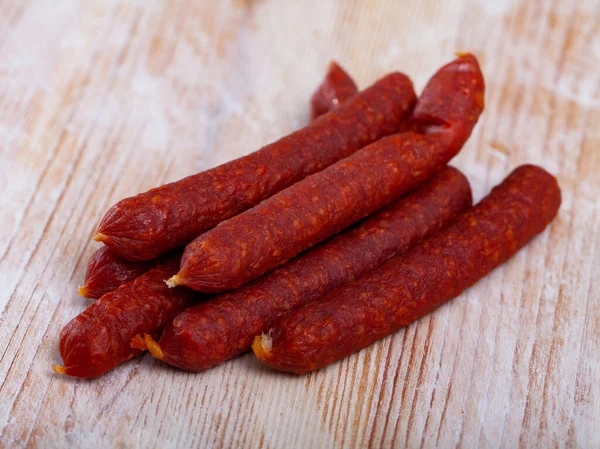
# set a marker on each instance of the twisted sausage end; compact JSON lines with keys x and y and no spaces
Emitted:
{"x":59,"y":369}
{"x":153,"y":347}
{"x":172,"y":281}
{"x":83,"y":291}
{"x":262,"y":346}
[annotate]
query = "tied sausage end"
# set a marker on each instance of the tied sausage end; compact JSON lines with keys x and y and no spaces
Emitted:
{"x":262,"y":346}
{"x":153,"y":346}
{"x":138,"y":342}
{"x":83,"y":291}
{"x":173,"y":281}
{"x":58,"y":369}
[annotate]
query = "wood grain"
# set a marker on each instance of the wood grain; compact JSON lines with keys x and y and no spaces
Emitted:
{"x":100,"y":100}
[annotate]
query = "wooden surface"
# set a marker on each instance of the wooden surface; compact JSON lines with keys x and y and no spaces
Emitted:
{"x":100,"y":100}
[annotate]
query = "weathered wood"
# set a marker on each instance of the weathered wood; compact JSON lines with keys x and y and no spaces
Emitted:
{"x":100,"y":100}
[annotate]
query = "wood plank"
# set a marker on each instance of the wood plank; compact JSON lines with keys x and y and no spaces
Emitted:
{"x":101,"y":100}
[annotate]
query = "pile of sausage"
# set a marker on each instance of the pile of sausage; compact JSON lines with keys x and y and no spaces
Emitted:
{"x":312,"y":247}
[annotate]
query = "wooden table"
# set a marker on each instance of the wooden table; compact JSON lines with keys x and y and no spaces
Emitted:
{"x":101,"y":100}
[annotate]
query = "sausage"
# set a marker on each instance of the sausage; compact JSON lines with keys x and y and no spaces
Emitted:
{"x":411,"y":285}
{"x":336,"y":88}
{"x":148,"y":225}
{"x":211,"y":332}
{"x":256,"y":241}
{"x":106,"y":271}
{"x":98,"y":339}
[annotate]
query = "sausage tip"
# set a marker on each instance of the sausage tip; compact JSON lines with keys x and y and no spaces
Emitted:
{"x":172,"y":281}
{"x":138,"y":342}
{"x":59,"y":369}
{"x":153,"y":347}
{"x":262,"y":346}
{"x":83,"y":291}
{"x":99,"y":237}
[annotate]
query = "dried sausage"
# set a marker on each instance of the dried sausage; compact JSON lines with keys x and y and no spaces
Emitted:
{"x":411,"y":285}
{"x":336,"y":88}
{"x":150,"y":224}
{"x":216,"y":330}
{"x":98,"y":339}
{"x":106,"y":271}
{"x":256,"y":241}
{"x":219,"y":329}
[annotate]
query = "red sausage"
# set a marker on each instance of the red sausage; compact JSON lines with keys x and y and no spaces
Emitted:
{"x":150,"y":224}
{"x":411,"y":285}
{"x":106,"y":271}
{"x":98,"y":339}
{"x":336,"y":88}
{"x":256,"y":241}
{"x":219,"y":329}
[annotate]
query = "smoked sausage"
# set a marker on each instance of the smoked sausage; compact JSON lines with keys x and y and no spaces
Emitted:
{"x":98,"y":339}
{"x":256,"y":241}
{"x":106,"y":271}
{"x":223,"y":327}
{"x":152,"y":223}
{"x":411,"y":285}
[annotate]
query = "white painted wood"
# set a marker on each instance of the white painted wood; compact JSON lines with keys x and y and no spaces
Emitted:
{"x":100,"y":100}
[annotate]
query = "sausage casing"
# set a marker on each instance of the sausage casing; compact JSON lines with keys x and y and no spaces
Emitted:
{"x":336,"y":88}
{"x":411,"y":285}
{"x":256,"y":241}
{"x":152,"y":223}
{"x":106,"y":272}
{"x":98,"y":339}
{"x":221,"y":328}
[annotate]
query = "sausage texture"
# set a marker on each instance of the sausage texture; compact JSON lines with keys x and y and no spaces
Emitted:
{"x":336,"y":88}
{"x":219,"y":329}
{"x":106,"y":271}
{"x":256,"y":241}
{"x":412,"y":285}
{"x":150,"y":224}
{"x":98,"y":339}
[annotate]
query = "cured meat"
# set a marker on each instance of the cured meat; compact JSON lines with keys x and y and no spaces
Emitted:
{"x":98,"y":339}
{"x":106,"y":271}
{"x":410,"y":286}
{"x":221,"y":328}
{"x":152,"y":223}
{"x":256,"y":241}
